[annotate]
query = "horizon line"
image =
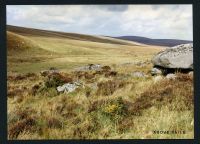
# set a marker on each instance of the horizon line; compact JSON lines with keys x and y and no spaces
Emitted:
{"x":96,"y":34}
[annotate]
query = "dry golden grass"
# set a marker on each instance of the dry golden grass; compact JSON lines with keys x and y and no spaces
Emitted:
{"x":121,"y":106}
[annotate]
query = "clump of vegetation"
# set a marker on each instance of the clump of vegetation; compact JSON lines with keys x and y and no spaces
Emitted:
{"x":23,"y":125}
{"x":88,"y":75}
{"x":115,"y":109}
{"x":53,"y":123}
{"x":35,"y":89}
{"x":125,"y":124}
{"x":106,"y":68}
{"x":14,"y":92}
{"x":111,"y":73}
{"x":88,"y":91}
{"x":177,"y":93}
{"x":109,"y":87}
{"x":96,"y":104}
{"x":56,"y":79}
{"x":17,"y":77}
{"x":67,"y":108}
{"x":19,"y":114}
{"x":88,"y":128}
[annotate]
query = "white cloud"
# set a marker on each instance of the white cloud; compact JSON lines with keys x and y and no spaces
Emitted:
{"x":154,"y":21}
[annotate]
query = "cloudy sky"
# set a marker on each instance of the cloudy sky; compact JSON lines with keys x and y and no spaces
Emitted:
{"x":153,"y":21}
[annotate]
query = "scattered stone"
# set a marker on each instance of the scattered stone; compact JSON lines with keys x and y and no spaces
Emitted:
{"x":156,"y":71}
{"x":191,"y":73}
{"x":157,"y":79}
{"x":89,"y":67}
{"x":68,"y":87}
{"x":178,"y":57}
{"x":170,"y":76}
{"x":138,"y":74}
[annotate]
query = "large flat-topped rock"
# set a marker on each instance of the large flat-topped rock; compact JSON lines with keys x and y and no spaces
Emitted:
{"x":178,"y":57}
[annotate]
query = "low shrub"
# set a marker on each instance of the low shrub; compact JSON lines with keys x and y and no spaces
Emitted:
{"x":15,"y":92}
{"x":106,"y":68}
{"x":19,"y":127}
{"x":115,"y":109}
{"x":177,"y":93}
{"x":53,"y":123}
{"x":109,"y":87}
{"x":56,"y":79}
{"x":111,"y":73}
{"x":125,"y":124}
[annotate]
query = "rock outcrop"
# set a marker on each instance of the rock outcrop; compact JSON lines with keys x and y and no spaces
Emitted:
{"x":68,"y":87}
{"x":178,"y":57}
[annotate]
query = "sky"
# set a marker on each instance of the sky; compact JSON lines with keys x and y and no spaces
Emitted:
{"x":152,"y":21}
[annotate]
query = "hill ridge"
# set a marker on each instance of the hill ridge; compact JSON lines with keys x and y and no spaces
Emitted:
{"x":157,"y":42}
{"x":74,"y":36}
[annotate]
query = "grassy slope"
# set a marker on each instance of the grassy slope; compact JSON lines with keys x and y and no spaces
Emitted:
{"x":74,"y":52}
{"x":67,"y":53}
{"x":74,"y":36}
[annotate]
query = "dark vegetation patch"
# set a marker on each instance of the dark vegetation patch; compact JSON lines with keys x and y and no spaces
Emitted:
{"x":106,"y":68}
{"x":109,"y":87}
{"x":57,"y":79}
{"x":19,"y":115}
{"x":125,"y":124}
{"x":87,"y":128}
{"x":53,"y":122}
{"x":35,"y":89}
{"x":18,"y":77}
{"x":20,"y":126}
{"x":86,"y":75}
{"x":111,"y":74}
{"x":67,"y":108}
{"x":96,"y":105}
{"x":15,"y":92}
{"x":89,"y":75}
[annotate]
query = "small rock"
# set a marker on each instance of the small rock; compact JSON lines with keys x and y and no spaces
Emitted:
{"x":89,"y":67}
{"x":191,"y":73}
{"x":157,"y":79}
{"x":171,"y":76}
{"x":68,"y":87}
{"x":138,"y":74}
{"x":156,"y":71}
